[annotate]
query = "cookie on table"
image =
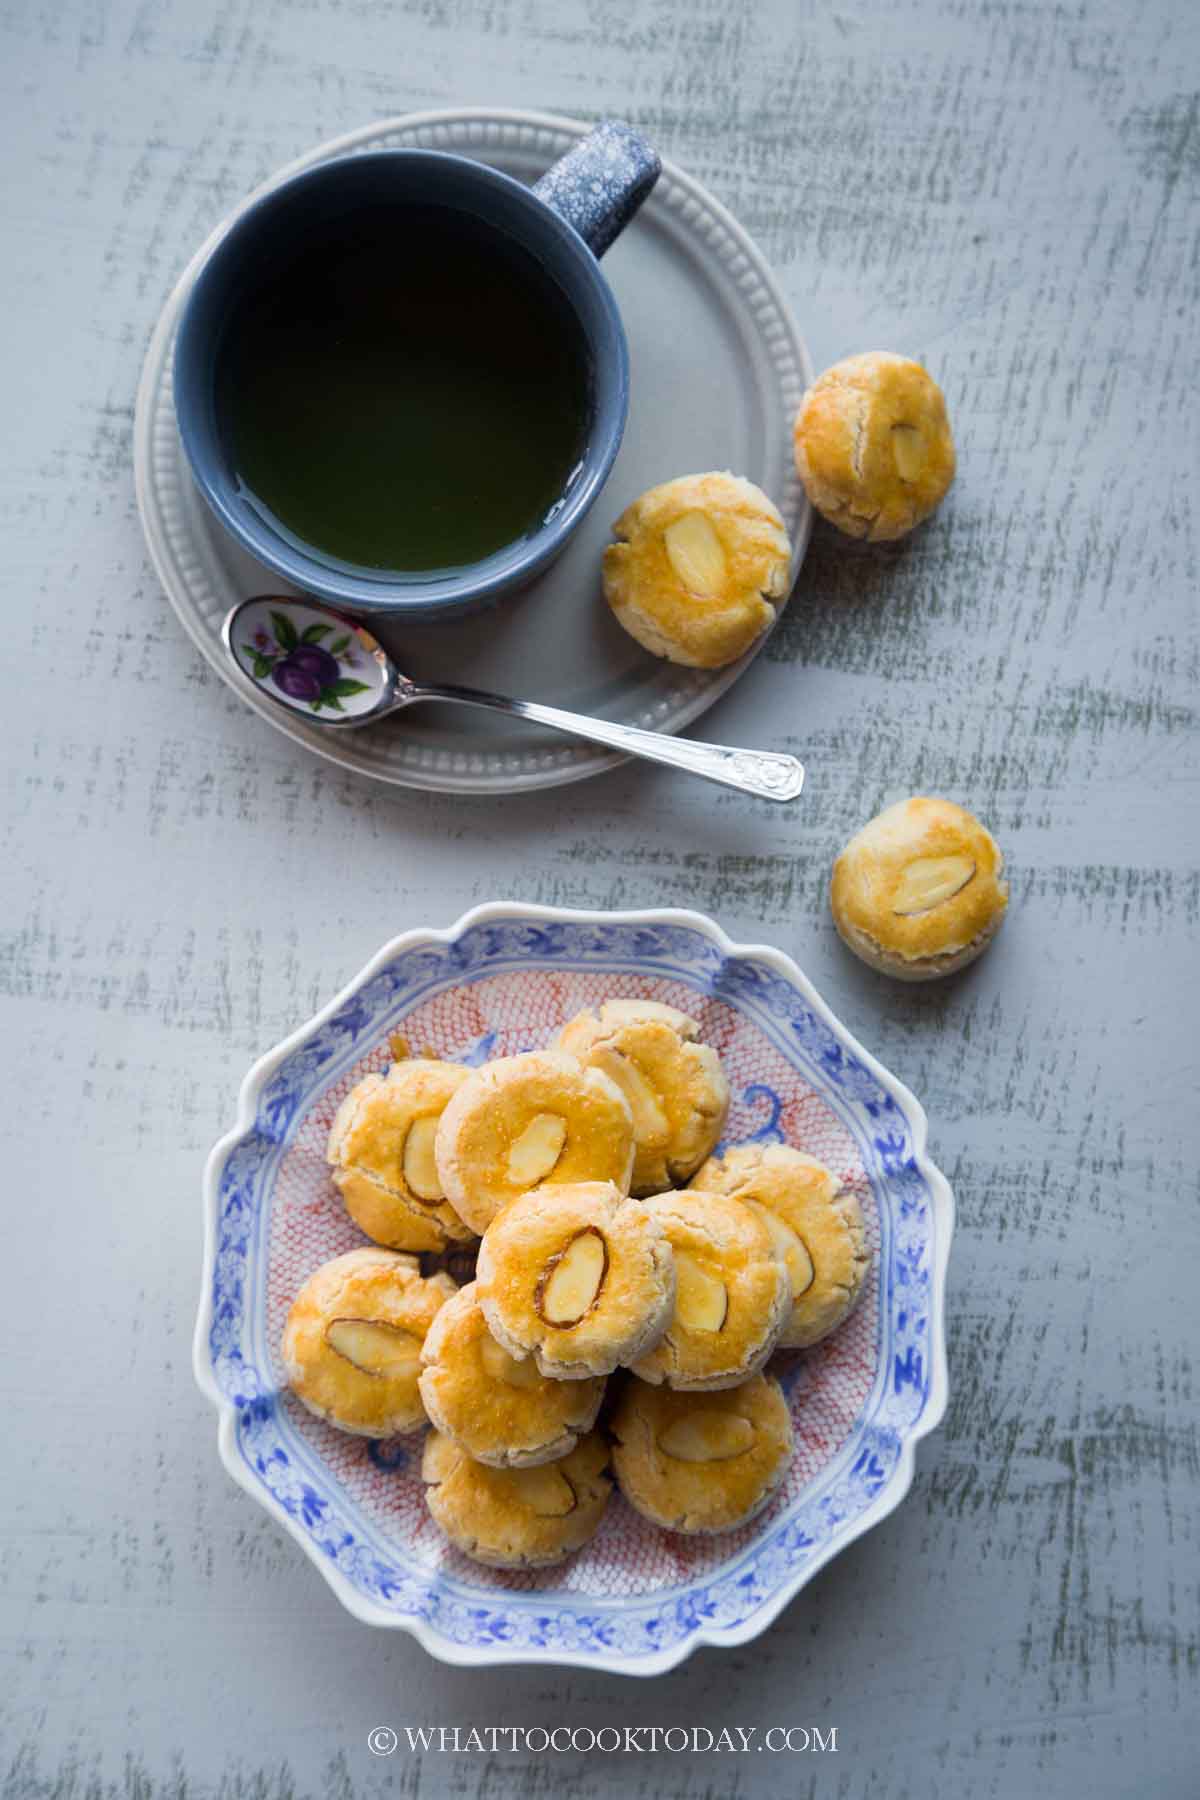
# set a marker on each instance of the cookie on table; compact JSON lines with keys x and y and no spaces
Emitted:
{"x":501,"y":1411}
{"x":919,"y":891}
{"x":873,"y":445}
{"x":517,"y":1518}
{"x":524,"y":1120}
{"x":675,"y":1085}
{"x":816,"y":1224}
{"x":351,"y":1346}
{"x":578,"y":1275}
{"x":381,"y":1151}
{"x":732,"y":1293}
{"x":701,"y":1462}
{"x":697,"y":567}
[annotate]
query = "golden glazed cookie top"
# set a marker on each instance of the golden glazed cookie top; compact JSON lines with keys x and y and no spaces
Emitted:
{"x":921,"y":883}
{"x":675,"y":1086}
{"x":816,"y":1225}
{"x":873,"y":445}
{"x":517,"y":1518}
{"x":524,"y":1120}
{"x":580,"y":1275}
{"x":352,"y":1342}
{"x":701,"y":1462}
{"x":381,"y":1148}
{"x":502,"y":1411}
{"x":696,"y":568}
{"x":732,"y":1293}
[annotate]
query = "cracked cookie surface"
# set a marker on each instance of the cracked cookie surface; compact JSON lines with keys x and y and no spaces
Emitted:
{"x":524,"y":1120}
{"x":817,"y":1226}
{"x":579,"y":1275}
{"x":675,"y":1085}
{"x":873,"y":445}
{"x":351,"y":1346}
{"x":732,"y":1293}
{"x":697,"y":567}
{"x":701,"y":1462}
{"x":502,"y":1411}
{"x":517,"y":1518}
{"x":919,"y":891}
{"x":381,"y":1151}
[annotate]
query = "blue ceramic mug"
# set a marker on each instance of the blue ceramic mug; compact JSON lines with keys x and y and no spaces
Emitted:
{"x":566,"y":221}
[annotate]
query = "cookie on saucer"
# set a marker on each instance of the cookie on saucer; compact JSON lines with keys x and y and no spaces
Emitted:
{"x":580,"y":1276}
{"x":517,"y":1518}
{"x":873,"y":445}
{"x":815,"y":1222}
{"x":502,"y":1411}
{"x":381,"y":1149}
{"x":919,"y":891}
{"x":524,"y":1120}
{"x":697,"y":568}
{"x":732,"y":1293}
{"x":675,"y":1085}
{"x":701,"y":1462}
{"x":351,"y":1346}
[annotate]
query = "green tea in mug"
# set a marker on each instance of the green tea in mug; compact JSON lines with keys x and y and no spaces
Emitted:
{"x":408,"y":392}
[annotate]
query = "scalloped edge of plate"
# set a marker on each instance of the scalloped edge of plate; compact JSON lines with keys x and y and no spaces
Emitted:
{"x":942,"y":1208}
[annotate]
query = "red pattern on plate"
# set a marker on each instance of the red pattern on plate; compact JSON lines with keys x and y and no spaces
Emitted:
{"x":829,"y":1385}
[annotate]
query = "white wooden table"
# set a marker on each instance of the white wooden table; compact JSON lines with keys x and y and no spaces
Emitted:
{"x":1008,"y":192}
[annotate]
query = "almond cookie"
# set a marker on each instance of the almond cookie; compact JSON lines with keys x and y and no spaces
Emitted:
{"x":873,"y":445}
{"x":815,"y":1222}
{"x":675,"y":1086}
{"x":732,"y":1293}
{"x":523,"y":1120}
{"x":581,"y":1276}
{"x":696,"y":568}
{"x":352,"y":1342}
{"x":517,"y":1518}
{"x":919,"y":891}
{"x":502,"y":1411}
{"x":381,"y":1150}
{"x":701,"y":1462}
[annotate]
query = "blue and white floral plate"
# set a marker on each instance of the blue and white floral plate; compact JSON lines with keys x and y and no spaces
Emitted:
{"x":637,"y":1600}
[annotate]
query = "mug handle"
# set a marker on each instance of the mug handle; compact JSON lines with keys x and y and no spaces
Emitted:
{"x":598,"y":186}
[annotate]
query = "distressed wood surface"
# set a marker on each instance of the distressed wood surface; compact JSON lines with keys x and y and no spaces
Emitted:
{"x":1007,"y":190}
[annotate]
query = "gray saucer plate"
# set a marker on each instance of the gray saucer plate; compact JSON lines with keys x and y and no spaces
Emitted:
{"x":718,"y":369}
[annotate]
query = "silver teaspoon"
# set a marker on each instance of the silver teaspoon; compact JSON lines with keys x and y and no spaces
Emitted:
{"x":331,"y":672}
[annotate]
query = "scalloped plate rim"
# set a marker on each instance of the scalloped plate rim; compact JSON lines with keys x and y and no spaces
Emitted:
{"x":942,"y":1208}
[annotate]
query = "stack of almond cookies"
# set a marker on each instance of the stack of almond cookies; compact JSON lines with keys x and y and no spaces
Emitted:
{"x":569,"y":1165}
